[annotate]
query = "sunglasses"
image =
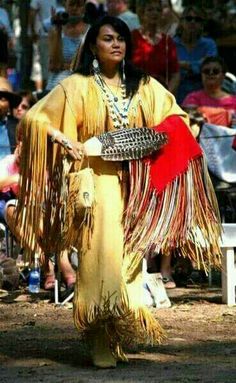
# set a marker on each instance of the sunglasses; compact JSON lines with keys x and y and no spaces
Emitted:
{"x":24,"y":106}
{"x":196,"y":19}
{"x":210,"y":71}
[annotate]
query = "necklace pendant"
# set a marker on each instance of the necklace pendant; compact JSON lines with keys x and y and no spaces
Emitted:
{"x":115,"y":99}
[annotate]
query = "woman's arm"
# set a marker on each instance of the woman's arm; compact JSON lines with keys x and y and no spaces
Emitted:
{"x":55,"y":118}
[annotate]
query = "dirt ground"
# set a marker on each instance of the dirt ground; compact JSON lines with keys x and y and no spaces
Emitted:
{"x":38,"y":343}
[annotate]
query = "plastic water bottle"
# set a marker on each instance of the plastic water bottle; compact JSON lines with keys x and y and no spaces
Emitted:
{"x":34,"y":276}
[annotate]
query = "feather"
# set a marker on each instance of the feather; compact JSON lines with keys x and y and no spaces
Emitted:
{"x":131,"y":144}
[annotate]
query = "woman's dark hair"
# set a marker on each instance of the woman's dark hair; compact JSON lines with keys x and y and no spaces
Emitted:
{"x":214,"y":59}
{"x":193,"y":9}
{"x":133,"y":74}
{"x":29,"y":95}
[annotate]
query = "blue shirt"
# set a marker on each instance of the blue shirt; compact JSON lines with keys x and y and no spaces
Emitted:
{"x":5,"y":147}
{"x":190,"y":82}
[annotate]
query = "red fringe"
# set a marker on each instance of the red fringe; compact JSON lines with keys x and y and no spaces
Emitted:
{"x":184,"y":216}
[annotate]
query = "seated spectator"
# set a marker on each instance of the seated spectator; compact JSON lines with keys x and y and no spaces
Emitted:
{"x":9,"y":188}
{"x":9,"y":164}
{"x":27,"y":101}
{"x":9,"y":180}
{"x":119,"y":8}
{"x":16,"y":114}
{"x":9,"y":170}
{"x":8,"y":101}
{"x":217,"y":105}
{"x":154,"y":51}
{"x":218,"y":108}
{"x":192,"y":48}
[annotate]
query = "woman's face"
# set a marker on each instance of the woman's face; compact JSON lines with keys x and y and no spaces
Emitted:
{"x":22,"y":108}
{"x":75,"y":7}
{"x":113,"y":7}
{"x":152,"y":13}
{"x":192,"y":23}
{"x":110,"y":47}
{"x":212,"y":75}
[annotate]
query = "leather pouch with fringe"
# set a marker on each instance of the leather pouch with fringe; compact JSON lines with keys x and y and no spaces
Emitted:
{"x":78,"y":204}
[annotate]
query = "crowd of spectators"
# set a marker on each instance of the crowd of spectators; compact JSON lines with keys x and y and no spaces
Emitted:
{"x":194,"y":33}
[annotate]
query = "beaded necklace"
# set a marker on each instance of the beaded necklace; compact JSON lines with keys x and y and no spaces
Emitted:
{"x":118,"y":113}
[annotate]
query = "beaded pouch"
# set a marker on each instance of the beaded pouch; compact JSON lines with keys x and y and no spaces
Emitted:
{"x":80,"y":190}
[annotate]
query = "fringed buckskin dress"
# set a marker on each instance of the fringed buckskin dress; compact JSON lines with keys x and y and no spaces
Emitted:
{"x":160,"y":204}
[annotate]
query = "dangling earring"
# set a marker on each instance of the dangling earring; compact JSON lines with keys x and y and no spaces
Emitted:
{"x":95,"y":64}
{"x":123,"y":71}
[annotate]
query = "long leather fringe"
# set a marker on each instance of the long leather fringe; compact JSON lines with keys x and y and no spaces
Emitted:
{"x":32,"y":186}
{"x":184,"y":217}
{"x":123,"y":325}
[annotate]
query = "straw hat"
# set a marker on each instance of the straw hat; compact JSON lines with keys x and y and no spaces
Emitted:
{"x":7,"y":92}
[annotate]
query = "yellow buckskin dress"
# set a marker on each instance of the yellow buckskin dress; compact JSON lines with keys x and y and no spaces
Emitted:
{"x":108,"y":293}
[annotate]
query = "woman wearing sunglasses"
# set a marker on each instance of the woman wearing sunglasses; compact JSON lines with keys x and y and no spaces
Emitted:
{"x":192,"y":48}
{"x":216,"y":134}
{"x":212,"y":97}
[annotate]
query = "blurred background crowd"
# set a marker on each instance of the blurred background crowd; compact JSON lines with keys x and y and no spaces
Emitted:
{"x":177,"y":39}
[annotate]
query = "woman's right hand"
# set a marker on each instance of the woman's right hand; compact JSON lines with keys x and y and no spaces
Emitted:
{"x":74,"y":148}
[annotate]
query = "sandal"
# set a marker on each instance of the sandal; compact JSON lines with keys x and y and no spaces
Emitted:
{"x":169,"y":282}
{"x":49,"y":283}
